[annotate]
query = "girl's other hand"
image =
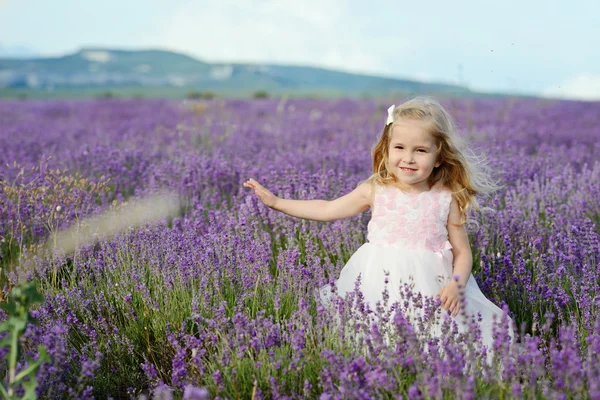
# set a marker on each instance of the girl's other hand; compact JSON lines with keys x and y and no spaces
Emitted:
{"x":450,"y":297}
{"x":268,"y":198}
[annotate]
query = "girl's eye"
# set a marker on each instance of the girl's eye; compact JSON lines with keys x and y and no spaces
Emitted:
{"x":419,"y":150}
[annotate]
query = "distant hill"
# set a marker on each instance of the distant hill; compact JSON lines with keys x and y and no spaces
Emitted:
{"x":109,"y":69}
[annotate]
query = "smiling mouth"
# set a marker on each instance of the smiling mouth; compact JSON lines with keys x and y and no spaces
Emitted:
{"x":407,"y":169}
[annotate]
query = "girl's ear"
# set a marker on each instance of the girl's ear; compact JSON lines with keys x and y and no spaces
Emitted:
{"x":437,"y":164}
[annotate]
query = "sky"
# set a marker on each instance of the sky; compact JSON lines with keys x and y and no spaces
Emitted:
{"x":546,"y":48}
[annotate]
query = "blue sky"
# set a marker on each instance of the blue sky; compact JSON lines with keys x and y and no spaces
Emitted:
{"x":533,"y":47}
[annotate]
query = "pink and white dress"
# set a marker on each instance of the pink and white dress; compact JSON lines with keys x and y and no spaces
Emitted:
{"x":407,"y":237}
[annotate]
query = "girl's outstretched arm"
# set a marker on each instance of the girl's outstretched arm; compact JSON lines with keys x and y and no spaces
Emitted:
{"x":346,"y":206}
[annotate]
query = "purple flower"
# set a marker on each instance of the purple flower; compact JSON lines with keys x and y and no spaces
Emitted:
{"x":194,"y":393}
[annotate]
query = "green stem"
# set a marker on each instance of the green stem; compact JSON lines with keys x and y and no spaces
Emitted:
{"x":14,"y":343}
{"x":5,"y":394}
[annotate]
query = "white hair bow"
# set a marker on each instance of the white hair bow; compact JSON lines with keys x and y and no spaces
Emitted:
{"x":390,"y":117}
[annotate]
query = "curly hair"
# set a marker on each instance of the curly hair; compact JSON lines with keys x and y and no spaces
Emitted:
{"x":461,"y":170}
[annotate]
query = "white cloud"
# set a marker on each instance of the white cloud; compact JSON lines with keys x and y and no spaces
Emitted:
{"x":97,"y":56}
{"x":581,"y":87}
{"x":309,"y":32}
{"x":221,"y":72}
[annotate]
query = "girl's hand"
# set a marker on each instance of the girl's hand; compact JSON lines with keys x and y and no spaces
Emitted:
{"x":450,"y":297}
{"x":268,"y":198}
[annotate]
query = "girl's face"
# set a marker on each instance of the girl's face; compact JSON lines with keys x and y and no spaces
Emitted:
{"x":412,"y":154}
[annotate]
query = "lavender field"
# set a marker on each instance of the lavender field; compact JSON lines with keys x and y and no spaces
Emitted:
{"x":218,"y":302}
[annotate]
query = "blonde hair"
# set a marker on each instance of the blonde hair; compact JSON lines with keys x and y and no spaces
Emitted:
{"x":460,"y":170}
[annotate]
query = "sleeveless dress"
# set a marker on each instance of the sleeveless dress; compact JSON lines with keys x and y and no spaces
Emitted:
{"x":407,"y":237}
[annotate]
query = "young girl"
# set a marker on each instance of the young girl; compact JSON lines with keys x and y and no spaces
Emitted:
{"x":423,"y":184}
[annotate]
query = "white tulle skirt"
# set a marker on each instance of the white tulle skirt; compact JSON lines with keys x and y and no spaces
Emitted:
{"x":427,"y":271}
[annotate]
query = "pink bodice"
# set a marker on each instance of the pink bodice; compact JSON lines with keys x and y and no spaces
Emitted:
{"x":414,"y":221}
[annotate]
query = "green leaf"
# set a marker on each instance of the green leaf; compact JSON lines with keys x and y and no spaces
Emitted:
{"x":17,"y":323}
{"x":34,"y":297}
{"x":15,"y":293}
{"x":10,"y":308}
{"x":30,"y":370}
{"x":30,"y":389}
{"x":3,"y":391}
{"x":32,"y":367}
{"x":31,"y":291}
{"x":5,"y":326}
{"x":5,"y":342}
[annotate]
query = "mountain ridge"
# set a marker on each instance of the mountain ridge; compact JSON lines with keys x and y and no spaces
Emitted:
{"x":98,"y":67}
